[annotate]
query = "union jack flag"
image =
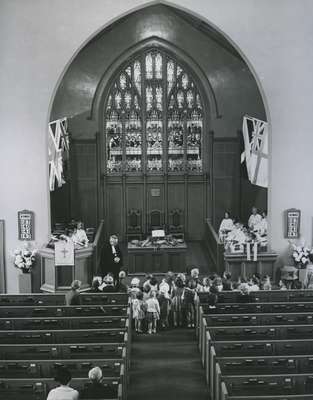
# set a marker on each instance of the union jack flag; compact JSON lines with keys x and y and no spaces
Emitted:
{"x":58,"y":146}
{"x":255,"y":136}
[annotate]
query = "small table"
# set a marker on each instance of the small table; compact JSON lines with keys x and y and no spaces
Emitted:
{"x":154,"y":259}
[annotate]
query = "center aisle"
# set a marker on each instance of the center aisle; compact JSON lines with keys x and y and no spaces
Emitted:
{"x":165,"y":366}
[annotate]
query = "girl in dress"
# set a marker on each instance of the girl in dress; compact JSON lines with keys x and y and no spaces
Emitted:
{"x":138,"y":311}
{"x":153,"y":312}
{"x":164,"y":301}
{"x":189,"y":299}
{"x":177,"y":300}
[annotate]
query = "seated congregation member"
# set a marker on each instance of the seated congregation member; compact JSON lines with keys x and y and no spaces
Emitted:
{"x":94,"y":388}
{"x":108,"y":284}
{"x":227,"y":225}
{"x":254,"y":284}
{"x":244,"y":294}
{"x":177,"y":300}
{"x":254,"y":219}
{"x":95,"y":286}
{"x":153,"y":312}
{"x":121,"y":285}
{"x":111,"y":258}
{"x":212,"y":299}
{"x":72,"y":297}
{"x":266,"y":283}
{"x":79,"y":236}
{"x":64,"y":391}
{"x":227,"y":283}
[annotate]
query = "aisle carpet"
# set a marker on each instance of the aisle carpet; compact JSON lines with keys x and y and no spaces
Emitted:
{"x":166,"y":366}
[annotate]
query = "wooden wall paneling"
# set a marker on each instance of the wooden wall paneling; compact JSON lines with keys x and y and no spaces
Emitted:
{"x":86,"y":203}
{"x":155,"y":202}
{"x":135,"y":200}
{"x":84,"y":188}
{"x":226,"y":178}
{"x":196,"y":210}
{"x":114,"y":209}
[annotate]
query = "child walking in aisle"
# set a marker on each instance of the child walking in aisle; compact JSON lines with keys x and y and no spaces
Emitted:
{"x":138,"y":311}
{"x":153,"y":312}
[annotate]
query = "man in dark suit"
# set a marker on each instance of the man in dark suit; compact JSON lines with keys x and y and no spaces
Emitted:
{"x":111,"y":258}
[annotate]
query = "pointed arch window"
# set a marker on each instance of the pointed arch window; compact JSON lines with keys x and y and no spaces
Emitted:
{"x":153,"y":118}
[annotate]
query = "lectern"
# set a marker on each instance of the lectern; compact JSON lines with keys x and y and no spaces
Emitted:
{"x":56,"y":278}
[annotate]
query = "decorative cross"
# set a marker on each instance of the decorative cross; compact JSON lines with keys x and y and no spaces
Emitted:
{"x":64,"y":251}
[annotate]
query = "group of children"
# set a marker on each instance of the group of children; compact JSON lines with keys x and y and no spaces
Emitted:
{"x":162,"y":304}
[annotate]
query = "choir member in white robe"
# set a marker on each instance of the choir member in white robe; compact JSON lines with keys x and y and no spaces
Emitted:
{"x":237,"y":235}
{"x":227,"y":225}
{"x":262,"y":225}
{"x":255,"y":219}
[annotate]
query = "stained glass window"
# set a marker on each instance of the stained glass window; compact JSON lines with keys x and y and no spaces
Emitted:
{"x":153,"y":118}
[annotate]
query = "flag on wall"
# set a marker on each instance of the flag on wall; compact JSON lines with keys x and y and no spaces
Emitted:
{"x":255,"y":136}
{"x":58,"y":147}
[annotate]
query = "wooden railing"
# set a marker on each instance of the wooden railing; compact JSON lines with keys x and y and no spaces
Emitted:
{"x":214,"y":247}
{"x":97,"y":245}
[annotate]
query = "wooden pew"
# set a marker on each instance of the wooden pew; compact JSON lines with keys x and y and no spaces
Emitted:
{"x":37,"y":369}
{"x":264,"y":385}
{"x":257,"y":348}
{"x":37,"y":389}
{"x":63,"y":351}
{"x":36,"y":299}
{"x":259,"y":365}
{"x":62,"y":311}
{"x":33,"y":299}
{"x":253,"y":308}
{"x":259,"y":319}
{"x":47,"y":368}
{"x":264,"y":296}
{"x":92,"y":322}
{"x":63,"y":336}
{"x":274,"y":318}
{"x":252,"y":333}
{"x":105,"y":298}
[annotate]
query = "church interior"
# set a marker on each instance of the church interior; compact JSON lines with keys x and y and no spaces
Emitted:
{"x":156,"y":224}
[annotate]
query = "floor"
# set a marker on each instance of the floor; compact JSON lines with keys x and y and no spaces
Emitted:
{"x":166,"y":366}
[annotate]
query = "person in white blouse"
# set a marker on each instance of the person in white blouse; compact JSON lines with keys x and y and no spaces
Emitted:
{"x":79,"y":236}
{"x":255,"y":219}
{"x":227,"y":225}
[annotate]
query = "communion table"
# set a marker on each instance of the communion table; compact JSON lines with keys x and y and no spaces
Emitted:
{"x":157,"y":258}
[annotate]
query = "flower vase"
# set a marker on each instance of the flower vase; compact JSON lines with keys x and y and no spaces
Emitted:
{"x":25,"y":282}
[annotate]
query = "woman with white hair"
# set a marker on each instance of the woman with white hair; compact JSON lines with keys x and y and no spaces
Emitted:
{"x":94,"y":388}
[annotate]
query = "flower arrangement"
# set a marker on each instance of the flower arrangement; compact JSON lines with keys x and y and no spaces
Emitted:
{"x":24,"y":259}
{"x":301,"y":255}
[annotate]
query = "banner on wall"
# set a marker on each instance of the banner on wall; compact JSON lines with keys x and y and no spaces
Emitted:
{"x":255,"y":136}
{"x":58,"y":148}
